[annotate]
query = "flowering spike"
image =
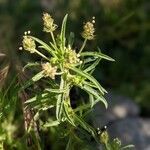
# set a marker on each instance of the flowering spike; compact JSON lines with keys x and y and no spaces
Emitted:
{"x":88,"y":30}
{"x":29,"y":44}
{"x":49,"y":71}
{"x":49,"y":25}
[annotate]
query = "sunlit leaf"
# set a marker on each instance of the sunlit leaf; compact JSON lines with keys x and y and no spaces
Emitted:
{"x":33,"y":99}
{"x":96,"y":94}
{"x":51,"y":123}
{"x":58,"y":91}
{"x":60,"y":100}
{"x":128,"y":147}
{"x":45,"y":46}
{"x":63,"y":30}
{"x":71,"y":39}
{"x":28,"y":65}
{"x":92,"y":67}
{"x":89,"y":77}
{"x":85,"y":126}
{"x":97,"y":54}
{"x":34,"y":79}
{"x":67,"y":115}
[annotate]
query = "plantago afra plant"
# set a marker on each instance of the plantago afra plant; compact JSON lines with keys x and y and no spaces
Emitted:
{"x":60,"y":69}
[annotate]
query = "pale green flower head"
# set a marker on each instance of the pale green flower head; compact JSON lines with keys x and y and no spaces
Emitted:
{"x":88,"y":30}
{"x":29,"y":44}
{"x":49,"y":70}
{"x":49,"y":25}
{"x":72,"y":56}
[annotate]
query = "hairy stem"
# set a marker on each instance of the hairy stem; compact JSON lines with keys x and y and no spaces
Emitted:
{"x":52,"y":35}
{"x":83,"y":45}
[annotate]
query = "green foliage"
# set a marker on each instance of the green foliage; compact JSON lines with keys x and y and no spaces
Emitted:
{"x":10,"y":119}
{"x":122,"y":28}
{"x":62,"y":68}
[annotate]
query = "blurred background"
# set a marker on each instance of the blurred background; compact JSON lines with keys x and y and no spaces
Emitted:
{"x":122,"y":32}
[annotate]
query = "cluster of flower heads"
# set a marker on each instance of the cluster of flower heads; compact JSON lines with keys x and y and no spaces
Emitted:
{"x":71,"y":57}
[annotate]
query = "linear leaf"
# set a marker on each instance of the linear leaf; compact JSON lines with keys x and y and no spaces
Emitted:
{"x":60,"y":100}
{"x":85,"y":126}
{"x":91,"y":98}
{"x":71,"y":39}
{"x":58,"y":91}
{"x":69,"y":144}
{"x":96,"y":94}
{"x":128,"y":147}
{"x":44,"y":45}
{"x":33,"y":99}
{"x":89,"y":84}
{"x":35,"y":78}
{"x":87,"y":60}
{"x":28,"y":65}
{"x":89,"y":77}
{"x":69,"y":118}
{"x":63,"y":30}
{"x":93,"y":66}
{"x":51,"y":123}
{"x":97,"y":54}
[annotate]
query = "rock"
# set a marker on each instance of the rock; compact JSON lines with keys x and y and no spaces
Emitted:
{"x":118,"y":107}
{"x":123,"y":121}
{"x":134,"y":131}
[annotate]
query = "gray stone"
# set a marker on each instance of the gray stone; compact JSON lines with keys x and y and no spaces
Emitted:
{"x":118,"y":107}
{"x":123,"y":121}
{"x":134,"y":131}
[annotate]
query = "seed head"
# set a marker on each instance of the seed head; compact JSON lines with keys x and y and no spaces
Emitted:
{"x":104,"y":137}
{"x":88,"y":30}
{"x":49,"y":25}
{"x":49,"y":71}
{"x":71,"y":56}
{"x":29,"y":44}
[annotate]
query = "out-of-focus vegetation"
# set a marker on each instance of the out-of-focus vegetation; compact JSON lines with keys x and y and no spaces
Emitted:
{"x":122,"y":27}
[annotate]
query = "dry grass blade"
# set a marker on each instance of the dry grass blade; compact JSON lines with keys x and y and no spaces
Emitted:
{"x":3,"y":75}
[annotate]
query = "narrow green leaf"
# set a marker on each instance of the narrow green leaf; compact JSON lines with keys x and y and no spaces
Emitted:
{"x":63,"y":30}
{"x":44,"y":45}
{"x":51,"y":123}
{"x":69,"y":144}
{"x":28,"y":65}
{"x":89,"y":84}
{"x":128,"y":147}
{"x":87,"y":60}
{"x":82,"y":107}
{"x":33,"y":99}
{"x":89,"y":77}
{"x":92,"y":66}
{"x":60,"y":100}
{"x":71,"y":39}
{"x":85,"y":126}
{"x":91,"y":98}
{"x":58,"y":91}
{"x":97,"y":54}
{"x":35,"y":78}
{"x":38,"y":76}
{"x":96,"y":94}
{"x":67,"y":115}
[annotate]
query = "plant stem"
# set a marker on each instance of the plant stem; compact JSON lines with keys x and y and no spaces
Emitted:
{"x":41,"y":55}
{"x":107,"y":146}
{"x":83,"y":45}
{"x":52,"y":35}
